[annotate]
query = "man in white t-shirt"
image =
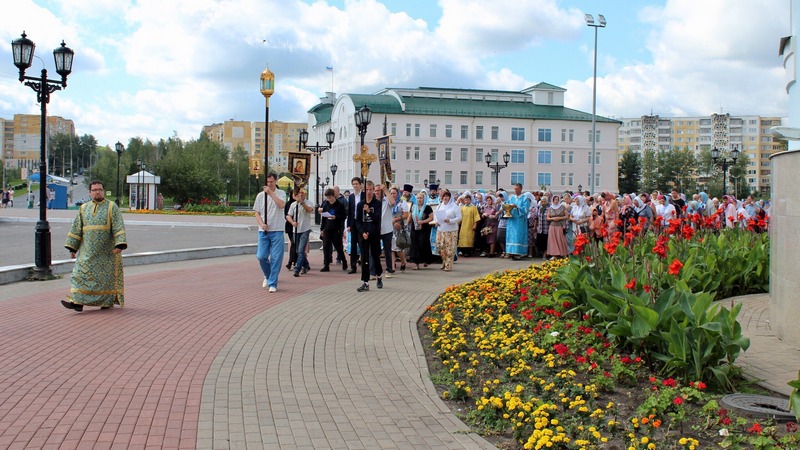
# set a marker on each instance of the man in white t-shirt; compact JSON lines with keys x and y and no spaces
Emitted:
{"x":300,"y":218}
{"x":271,"y":222}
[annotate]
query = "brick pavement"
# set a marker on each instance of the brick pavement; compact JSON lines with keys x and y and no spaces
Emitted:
{"x":203,"y":357}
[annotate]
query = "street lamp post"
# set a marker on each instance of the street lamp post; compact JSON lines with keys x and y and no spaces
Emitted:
{"x":138,"y":182}
{"x":23,"y":49}
{"x":722,"y":161}
{"x":601,"y":24}
{"x":363,"y":117}
{"x":119,"y":148}
{"x":267,"y":89}
{"x":325,"y":183}
{"x":316,"y":150}
{"x":497,"y":167}
{"x":227,"y":191}
{"x":334,"y":168}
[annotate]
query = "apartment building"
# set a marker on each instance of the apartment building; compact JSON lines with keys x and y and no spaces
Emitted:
{"x":442,"y":135}
{"x":750,"y":134}
{"x":283,"y":137}
{"x":21,"y":140}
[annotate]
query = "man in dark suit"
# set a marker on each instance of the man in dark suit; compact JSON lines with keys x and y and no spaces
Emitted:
{"x":355,"y":198}
{"x":368,"y":222}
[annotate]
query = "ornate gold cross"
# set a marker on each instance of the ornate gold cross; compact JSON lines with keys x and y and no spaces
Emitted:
{"x":365,"y":158}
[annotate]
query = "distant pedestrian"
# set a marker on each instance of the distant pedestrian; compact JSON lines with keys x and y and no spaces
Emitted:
{"x":299,"y":217}
{"x":11,"y":197}
{"x":331,"y":230}
{"x":51,"y":198}
{"x":4,"y":199}
{"x":271,"y":221}
{"x":160,"y":201}
{"x":97,"y":237}
{"x":31,"y":199}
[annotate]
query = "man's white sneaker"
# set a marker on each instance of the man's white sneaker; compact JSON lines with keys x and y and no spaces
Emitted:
{"x":264,"y":283}
{"x":273,"y":289}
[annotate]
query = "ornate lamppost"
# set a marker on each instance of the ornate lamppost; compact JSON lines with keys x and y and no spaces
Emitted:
{"x":334,"y":168}
{"x":497,"y":167}
{"x":363,"y":117}
{"x":267,"y":89}
{"x":119,"y":148}
{"x":316,"y":150}
{"x":601,"y":24}
{"x":724,"y":162}
{"x":23,"y":49}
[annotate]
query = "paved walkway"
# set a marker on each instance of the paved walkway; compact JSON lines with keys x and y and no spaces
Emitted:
{"x":203,"y":357}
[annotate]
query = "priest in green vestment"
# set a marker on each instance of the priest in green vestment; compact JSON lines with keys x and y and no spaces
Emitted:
{"x":97,"y":237}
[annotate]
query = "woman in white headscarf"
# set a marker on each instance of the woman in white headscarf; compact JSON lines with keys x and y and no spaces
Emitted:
{"x":581,"y":213}
{"x":447,"y":215}
{"x":557,"y":215}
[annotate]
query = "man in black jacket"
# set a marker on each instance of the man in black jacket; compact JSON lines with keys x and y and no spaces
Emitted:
{"x":368,"y":223}
{"x":353,"y":200}
{"x":331,"y":230}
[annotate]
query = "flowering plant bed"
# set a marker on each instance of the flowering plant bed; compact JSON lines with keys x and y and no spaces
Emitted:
{"x":586,"y":352}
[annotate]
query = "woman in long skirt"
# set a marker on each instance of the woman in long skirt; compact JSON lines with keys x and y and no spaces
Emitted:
{"x":419,"y":224}
{"x":556,"y":240}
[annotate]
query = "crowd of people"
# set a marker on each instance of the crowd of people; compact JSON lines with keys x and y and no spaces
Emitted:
{"x":399,"y":227}
{"x":382,"y":230}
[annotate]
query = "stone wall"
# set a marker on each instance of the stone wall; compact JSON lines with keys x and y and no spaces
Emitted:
{"x":784,"y":233}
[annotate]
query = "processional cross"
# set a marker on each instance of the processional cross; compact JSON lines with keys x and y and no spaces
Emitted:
{"x":365,"y":158}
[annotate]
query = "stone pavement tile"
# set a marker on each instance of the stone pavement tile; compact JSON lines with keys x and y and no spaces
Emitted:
{"x":358,"y":352}
{"x":136,"y":365}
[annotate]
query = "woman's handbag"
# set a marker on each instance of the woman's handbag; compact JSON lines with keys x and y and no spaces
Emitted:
{"x":403,"y":240}
{"x":485,"y":231}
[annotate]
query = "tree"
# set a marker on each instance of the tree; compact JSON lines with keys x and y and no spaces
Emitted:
{"x":194,"y":171}
{"x":649,"y":171}
{"x":629,"y":172}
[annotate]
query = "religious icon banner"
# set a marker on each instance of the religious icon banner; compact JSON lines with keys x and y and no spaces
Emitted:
{"x":300,"y":167}
{"x":384,"y":158}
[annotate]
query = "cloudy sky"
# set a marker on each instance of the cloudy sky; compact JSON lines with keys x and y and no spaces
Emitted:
{"x":156,"y":68}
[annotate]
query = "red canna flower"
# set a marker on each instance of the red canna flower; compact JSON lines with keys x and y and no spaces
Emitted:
{"x":646,"y":288}
{"x":675,"y":267}
{"x":631,"y":285}
{"x":678,"y":401}
{"x":755,"y":429}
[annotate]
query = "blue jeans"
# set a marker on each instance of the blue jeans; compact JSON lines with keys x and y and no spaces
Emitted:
{"x":270,"y":255}
{"x":302,"y":259}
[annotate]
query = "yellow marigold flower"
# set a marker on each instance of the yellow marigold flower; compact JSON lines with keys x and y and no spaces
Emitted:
{"x":682,"y":441}
{"x":645,"y":440}
{"x":651,"y":446}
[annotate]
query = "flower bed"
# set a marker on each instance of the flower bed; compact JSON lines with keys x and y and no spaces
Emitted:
{"x":588,"y":353}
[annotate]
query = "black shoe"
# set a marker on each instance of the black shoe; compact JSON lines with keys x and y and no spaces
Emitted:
{"x":305,"y":270}
{"x":289,"y":266}
{"x":380,"y":282}
{"x":344,"y":265}
{"x":516,"y":257}
{"x":297,"y":274}
{"x":389,"y":271}
{"x":363,"y":287}
{"x":105,"y":307}
{"x":353,"y":270}
{"x":325,"y":269}
{"x":70,"y":305}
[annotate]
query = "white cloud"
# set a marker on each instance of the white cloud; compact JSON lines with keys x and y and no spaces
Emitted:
{"x":700,"y":66}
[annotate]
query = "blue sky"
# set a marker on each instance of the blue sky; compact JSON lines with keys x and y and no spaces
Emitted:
{"x":155,"y":68}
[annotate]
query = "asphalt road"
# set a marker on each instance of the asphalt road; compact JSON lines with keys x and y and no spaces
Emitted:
{"x":145,"y":232}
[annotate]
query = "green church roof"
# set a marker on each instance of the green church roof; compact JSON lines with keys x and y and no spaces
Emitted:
{"x":462,"y":107}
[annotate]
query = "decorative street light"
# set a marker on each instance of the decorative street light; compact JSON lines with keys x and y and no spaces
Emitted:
{"x":324,"y":183}
{"x":363,"y":117}
{"x":119,"y":148}
{"x":316,"y":150}
{"x":138,"y":181}
{"x":227,"y":191}
{"x":267,"y":89}
{"x":334,"y":168}
{"x":722,"y":161}
{"x":23,"y":49}
{"x":497,"y":167}
{"x":601,"y":24}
